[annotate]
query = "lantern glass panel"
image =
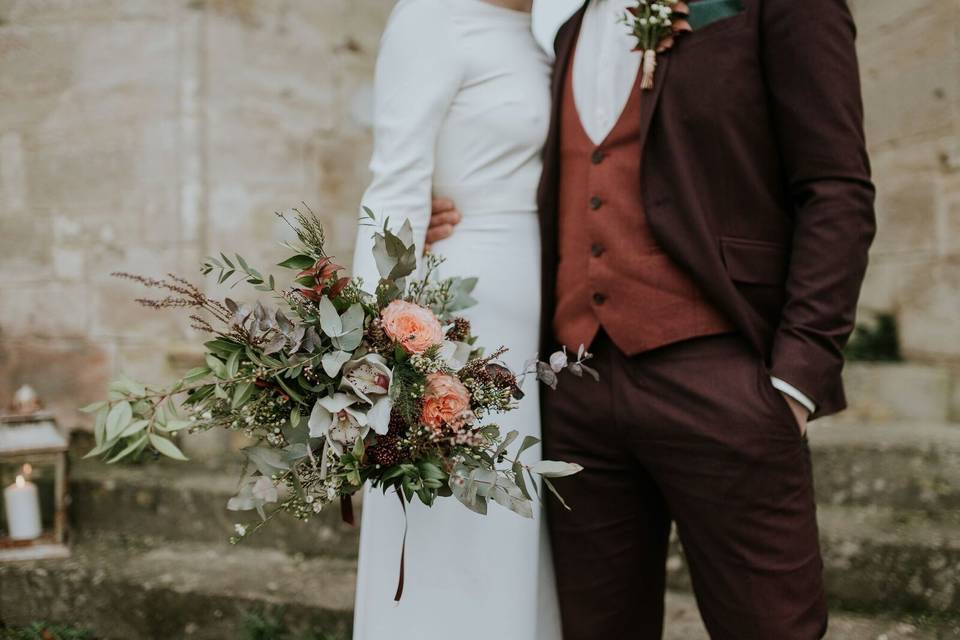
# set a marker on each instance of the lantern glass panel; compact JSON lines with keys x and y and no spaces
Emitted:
{"x":41,"y":470}
{"x":33,"y":467}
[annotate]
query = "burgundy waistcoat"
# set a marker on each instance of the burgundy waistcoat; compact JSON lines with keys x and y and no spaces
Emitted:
{"x":612,"y":273}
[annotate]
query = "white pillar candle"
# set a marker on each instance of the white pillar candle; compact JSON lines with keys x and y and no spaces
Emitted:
{"x":22,"y":504}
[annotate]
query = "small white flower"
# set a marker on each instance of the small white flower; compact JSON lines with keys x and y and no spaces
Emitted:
{"x":308,"y":499}
{"x":317,"y":507}
{"x":558,"y":361}
{"x":240,"y":529}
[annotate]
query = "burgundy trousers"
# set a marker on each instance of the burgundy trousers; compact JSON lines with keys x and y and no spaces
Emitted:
{"x":693,"y":433}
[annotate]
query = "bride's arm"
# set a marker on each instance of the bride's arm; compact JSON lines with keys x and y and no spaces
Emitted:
{"x":418,"y":75}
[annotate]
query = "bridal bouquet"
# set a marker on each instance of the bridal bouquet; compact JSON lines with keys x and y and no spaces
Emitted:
{"x":337,"y":386}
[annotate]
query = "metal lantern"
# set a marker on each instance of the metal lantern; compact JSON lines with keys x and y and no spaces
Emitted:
{"x":33,"y":480}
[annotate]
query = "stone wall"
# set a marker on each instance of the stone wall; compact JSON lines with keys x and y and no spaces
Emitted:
{"x":910,"y":61}
{"x":142,"y":135}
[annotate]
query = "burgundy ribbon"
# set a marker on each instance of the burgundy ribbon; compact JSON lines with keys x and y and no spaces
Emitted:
{"x":403,"y":548}
{"x":346,"y":509}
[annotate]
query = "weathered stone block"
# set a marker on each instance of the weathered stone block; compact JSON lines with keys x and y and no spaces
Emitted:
{"x":65,"y":374}
{"x":929,"y":326}
{"x":49,"y":310}
{"x":899,"y":391}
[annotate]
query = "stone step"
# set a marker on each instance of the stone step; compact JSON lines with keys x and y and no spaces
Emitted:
{"x":891,"y":392}
{"x":898,"y":466}
{"x":200,"y":592}
{"x":203,"y":592}
{"x":187,"y":502}
{"x":909,"y":465}
{"x":879,"y":560}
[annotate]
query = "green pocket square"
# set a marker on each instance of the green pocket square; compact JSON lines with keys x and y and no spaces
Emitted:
{"x":707,"y":11}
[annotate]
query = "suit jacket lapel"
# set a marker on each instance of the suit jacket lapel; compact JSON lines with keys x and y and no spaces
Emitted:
{"x":650,"y":99}
{"x":564,"y":46}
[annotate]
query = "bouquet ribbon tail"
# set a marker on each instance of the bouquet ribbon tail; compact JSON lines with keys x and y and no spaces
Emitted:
{"x":403,"y":550}
{"x":346,"y":510}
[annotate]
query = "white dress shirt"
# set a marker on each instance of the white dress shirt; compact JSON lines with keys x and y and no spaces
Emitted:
{"x":605,"y":68}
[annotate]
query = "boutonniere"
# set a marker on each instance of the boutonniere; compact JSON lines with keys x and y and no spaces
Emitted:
{"x":655,"y":24}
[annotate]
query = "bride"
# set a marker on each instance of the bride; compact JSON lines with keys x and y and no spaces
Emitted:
{"x":461,"y":111}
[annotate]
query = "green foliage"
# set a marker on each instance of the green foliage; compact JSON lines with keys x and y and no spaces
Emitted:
{"x":44,"y":631}
{"x":265,"y":625}
{"x":875,"y":342}
{"x":314,"y":380}
{"x":225,"y":269}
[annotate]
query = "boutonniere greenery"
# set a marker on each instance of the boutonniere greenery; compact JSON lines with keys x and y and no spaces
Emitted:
{"x":655,"y":24}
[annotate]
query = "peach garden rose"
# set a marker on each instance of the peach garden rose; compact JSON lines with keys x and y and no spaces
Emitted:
{"x":445,"y":401}
{"x":414,"y":327}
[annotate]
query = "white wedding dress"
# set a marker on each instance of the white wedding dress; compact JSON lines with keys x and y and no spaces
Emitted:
{"x":461,"y":110}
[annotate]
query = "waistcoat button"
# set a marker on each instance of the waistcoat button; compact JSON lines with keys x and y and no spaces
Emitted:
{"x":597,"y":250}
{"x":599,"y":298}
{"x":597,"y":157}
{"x":595,"y":202}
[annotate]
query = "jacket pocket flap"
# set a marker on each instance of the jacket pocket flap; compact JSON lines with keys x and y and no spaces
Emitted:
{"x":754,"y":261}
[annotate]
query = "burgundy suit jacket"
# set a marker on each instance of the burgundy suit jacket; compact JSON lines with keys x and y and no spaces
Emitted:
{"x":755,"y":179}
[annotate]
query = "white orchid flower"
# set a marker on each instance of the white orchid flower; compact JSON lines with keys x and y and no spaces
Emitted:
{"x":367,"y":376}
{"x":370,"y":379}
{"x":338,"y":420}
{"x":264,"y":489}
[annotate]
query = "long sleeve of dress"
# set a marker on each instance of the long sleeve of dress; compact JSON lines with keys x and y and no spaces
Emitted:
{"x":418,"y":74}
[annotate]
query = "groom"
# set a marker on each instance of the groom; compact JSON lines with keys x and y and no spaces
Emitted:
{"x":707,"y":239}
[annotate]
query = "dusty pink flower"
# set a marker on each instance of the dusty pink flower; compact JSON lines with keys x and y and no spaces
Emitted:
{"x":445,"y":402}
{"x":414,"y":327}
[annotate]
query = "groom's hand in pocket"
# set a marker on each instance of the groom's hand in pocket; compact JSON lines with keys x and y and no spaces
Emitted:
{"x":444,"y":217}
{"x":800,"y":412}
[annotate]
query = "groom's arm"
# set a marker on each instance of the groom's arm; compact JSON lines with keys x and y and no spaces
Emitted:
{"x":813,"y":85}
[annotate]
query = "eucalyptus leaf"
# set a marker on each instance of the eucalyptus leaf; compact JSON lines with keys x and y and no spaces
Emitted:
{"x":556,"y":493}
{"x":349,"y":341}
{"x":216,"y":366}
{"x":197,"y":374}
{"x":555,"y":469}
{"x":134,"y":445}
{"x":268,"y":461}
{"x":459,"y":487}
{"x":117,"y":420}
{"x":173,"y":426}
{"x":353,"y":319}
{"x":329,"y":318}
{"x":521,"y":483}
{"x":511,"y":498}
{"x":528,"y":442}
{"x":100,"y":425}
{"x":334,"y":361}
{"x":128,"y":386}
{"x":93,"y":408}
{"x":166,"y":447}
{"x":242,"y":393}
{"x":134,"y":428}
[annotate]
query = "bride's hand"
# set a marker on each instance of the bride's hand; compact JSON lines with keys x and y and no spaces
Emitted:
{"x":444,"y":217}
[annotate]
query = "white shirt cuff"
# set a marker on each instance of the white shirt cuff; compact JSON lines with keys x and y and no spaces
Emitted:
{"x":794,"y":393}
